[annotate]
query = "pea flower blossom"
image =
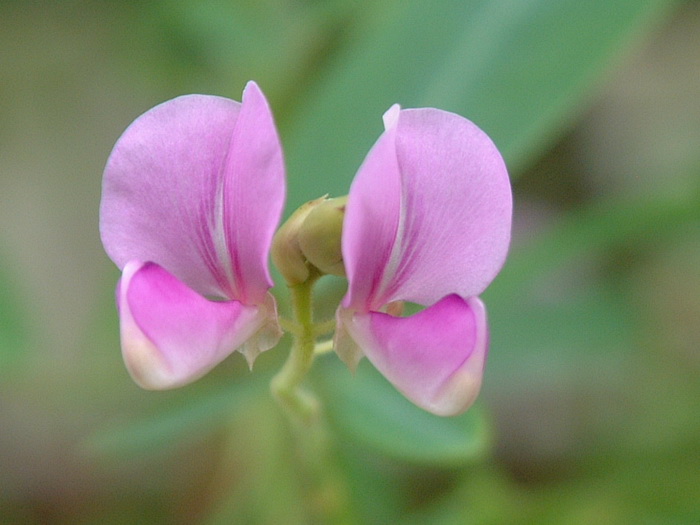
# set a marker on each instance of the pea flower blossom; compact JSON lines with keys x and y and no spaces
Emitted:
{"x":193,"y":193}
{"x":428,"y":221}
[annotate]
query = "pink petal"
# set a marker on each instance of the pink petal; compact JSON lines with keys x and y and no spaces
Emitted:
{"x":171,"y":335}
{"x":429,"y":212}
{"x":182,"y":177}
{"x":254,"y":191}
{"x":435,"y":358}
{"x":371,"y":222}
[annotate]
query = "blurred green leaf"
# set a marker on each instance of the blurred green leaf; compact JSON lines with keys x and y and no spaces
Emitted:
{"x":518,"y":68}
{"x":545,"y":285}
{"x":14,"y":329}
{"x":571,"y":338}
{"x":258,"y":447}
{"x":368,"y":409}
{"x":216,"y":47}
{"x":200,"y":413}
{"x":594,"y":230}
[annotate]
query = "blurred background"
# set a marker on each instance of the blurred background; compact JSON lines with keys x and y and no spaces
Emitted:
{"x":590,"y":407}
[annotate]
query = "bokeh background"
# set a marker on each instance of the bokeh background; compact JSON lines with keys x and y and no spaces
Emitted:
{"x":590,"y":408}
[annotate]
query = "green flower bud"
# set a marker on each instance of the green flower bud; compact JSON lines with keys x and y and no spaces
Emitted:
{"x":286,"y":253}
{"x":320,"y":233}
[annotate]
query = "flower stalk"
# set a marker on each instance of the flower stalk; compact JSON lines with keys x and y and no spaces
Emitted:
{"x":301,"y":405}
{"x":327,"y":495}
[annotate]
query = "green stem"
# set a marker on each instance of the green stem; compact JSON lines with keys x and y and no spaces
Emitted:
{"x":323,"y":347}
{"x":325,"y":327}
{"x":327,"y":491}
{"x":301,"y":405}
{"x":289,"y":326}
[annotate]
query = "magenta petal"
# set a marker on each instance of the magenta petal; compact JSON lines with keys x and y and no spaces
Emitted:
{"x":435,"y":358}
{"x":442,"y":185}
{"x":186,"y":174}
{"x":171,"y":335}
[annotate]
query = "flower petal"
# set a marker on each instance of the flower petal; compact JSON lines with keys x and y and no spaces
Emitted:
{"x":171,"y":335}
{"x":167,"y":192}
{"x":254,"y":191}
{"x":429,"y":212}
{"x":435,"y":358}
{"x":371,"y":221}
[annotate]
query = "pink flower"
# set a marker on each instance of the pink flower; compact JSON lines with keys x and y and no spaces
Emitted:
{"x":194,"y":190}
{"x":428,"y":220}
{"x":192,"y":194}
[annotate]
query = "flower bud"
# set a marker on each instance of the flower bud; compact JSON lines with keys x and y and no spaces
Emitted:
{"x":320,"y":234}
{"x":286,"y":253}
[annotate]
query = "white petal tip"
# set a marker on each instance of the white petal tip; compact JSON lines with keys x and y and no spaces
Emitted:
{"x":391,"y":117}
{"x":251,"y":85}
{"x":145,"y":365}
{"x":266,"y":337}
{"x":347,"y":350}
{"x":457,"y":395}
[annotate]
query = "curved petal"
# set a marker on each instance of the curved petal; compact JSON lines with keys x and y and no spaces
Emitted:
{"x":171,"y":335}
{"x":254,"y":191}
{"x":182,"y":177}
{"x":438,"y":189}
{"x":435,"y":358}
{"x":371,"y":222}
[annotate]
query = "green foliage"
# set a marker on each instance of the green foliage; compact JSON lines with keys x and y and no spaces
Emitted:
{"x":519,"y":69}
{"x":563,"y":312}
{"x":203,"y":412}
{"x":367,"y":409}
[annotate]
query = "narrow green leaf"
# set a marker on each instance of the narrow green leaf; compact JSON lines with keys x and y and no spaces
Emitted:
{"x":518,"y":68}
{"x":368,"y":409}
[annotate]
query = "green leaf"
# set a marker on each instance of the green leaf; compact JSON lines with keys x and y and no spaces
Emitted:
{"x":518,"y":68}
{"x":368,"y":409}
{"x":579,"y":325}
{"x":594,"y":230}
{"x":199,"y":413}
{"x":539,"y":340}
